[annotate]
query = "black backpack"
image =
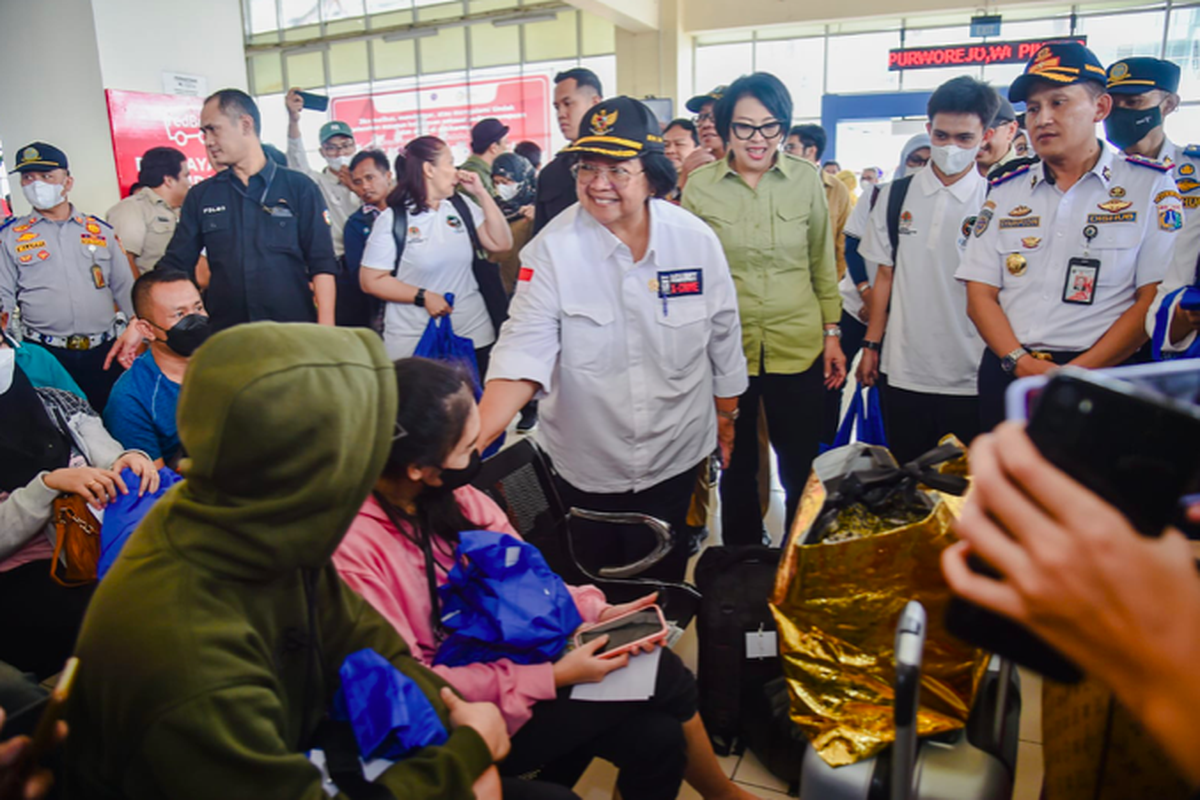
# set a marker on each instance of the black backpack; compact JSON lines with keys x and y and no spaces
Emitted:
{"x":895,"y":204}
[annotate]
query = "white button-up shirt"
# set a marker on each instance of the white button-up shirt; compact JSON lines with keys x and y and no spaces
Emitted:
{"x":629,"y":355}
{"x":931,"y":346}
{"x":1183,"y":272}
{"x":1134,"y":210}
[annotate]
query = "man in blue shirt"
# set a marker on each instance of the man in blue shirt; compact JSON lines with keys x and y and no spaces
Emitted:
{"x":372,"y":178}
{"x":141,"y":410}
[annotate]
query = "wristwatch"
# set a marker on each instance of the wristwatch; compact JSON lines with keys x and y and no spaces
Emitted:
{"x":419,"y":300}
{"x":729,"y":415}
{"x":833,"y":333}
{"x":1009,"y":362}
{"x":876,"y":346}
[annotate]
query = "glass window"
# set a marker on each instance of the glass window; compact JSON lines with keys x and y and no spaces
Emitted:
{"x":266,"y":73}
{"x":599,"y":35}
{"x":439,"y":9}
{"x":1183,"y":127}
{"x":394,"y":59}
{"x":262,"y":15}
{"x":346,"y":26}
{"x":719,"y":64}
{"x":1183,"y":47}
{"x":1119,"y":36}
{"x":341,"y":9}
{"x":551,"y":39}
{"x":492,"y":46}
{"x":926,"y":79}
{"x":858,"y":63}
{"x":444,"y":52}
{"x":348,"y":63}
{"x":800,"y":64}
{"x":306,"y":70}
{"x":479,"y":6}
{"x":302,"y":34}
{"x":295,"y":13}
{"x":379,"y":6}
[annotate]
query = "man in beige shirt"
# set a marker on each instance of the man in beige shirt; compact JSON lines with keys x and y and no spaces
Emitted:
{"x":145,"y":221}
{"x":808,"y":142}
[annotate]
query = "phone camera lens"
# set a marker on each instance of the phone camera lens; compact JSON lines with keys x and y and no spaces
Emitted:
{"x":1085,"y":406}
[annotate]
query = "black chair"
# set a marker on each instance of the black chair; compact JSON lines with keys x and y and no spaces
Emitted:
{"x":521,"y":481}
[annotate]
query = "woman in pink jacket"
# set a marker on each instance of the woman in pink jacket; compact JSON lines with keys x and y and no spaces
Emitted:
{"x":420,"y":505}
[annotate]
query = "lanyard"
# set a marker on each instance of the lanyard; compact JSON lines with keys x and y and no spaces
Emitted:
{"x":270,"y":169}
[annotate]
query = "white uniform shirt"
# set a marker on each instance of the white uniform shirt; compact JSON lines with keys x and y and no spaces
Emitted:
{"x":931,"y":345}
{"x":1184,"y":266}
{"x":628,"y":376}
{"x":1027,"y":216}
{"x":1185,"y":170}
{"x":340,"y":200}
{"x":437,"y":257}
{"x":852,"y":302}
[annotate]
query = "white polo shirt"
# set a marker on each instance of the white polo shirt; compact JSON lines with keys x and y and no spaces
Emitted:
{"x":437,"y":257}
{"x":629,"y":355}
{"x":1028,"y":217}
{"x":852,"y":302}
{"x":930,"y":345}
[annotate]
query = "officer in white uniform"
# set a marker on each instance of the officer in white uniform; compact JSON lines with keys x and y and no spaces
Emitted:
{"x":66,"y":272}
{"x":1066,"y":254}
{"x":1175,"y":316}
{"x":625,"y":324}
{"x":1145,"y":91}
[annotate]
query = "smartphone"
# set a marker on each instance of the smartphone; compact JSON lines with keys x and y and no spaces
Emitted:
{"x":1136,"y":447}
{"x":644,"y":626}
{"x":43,"y":738}
{"x":314,"y":102}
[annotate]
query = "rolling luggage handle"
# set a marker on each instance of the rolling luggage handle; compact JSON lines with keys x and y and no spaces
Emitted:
{"x":910,"y":643}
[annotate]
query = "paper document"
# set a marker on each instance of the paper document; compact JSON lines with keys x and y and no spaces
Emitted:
{"x":632,"y":682}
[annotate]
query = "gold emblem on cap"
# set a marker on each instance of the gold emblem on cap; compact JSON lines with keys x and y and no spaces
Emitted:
{"x":1016,"y":264}
{"x":1114,"y":206}
{"x":31,"y":154}
{"x":1116,"y":191}
{"x":1031,"y":242}
{"x":1119,"y":70}
{"x":603,"y":122}
{"x":1020,"y":211}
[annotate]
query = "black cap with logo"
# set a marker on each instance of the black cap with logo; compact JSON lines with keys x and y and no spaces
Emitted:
{"x":699,"y":101}
{"x":1064,"y":63}
{"x":40,"y":157}
{"x":1142,"y":74}
{"x":620,"y":128}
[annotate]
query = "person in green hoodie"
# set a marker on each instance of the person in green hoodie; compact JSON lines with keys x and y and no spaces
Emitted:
{"x":210,"y":653}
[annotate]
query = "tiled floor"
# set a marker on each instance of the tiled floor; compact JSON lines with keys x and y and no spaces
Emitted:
{"x":599,"y":781}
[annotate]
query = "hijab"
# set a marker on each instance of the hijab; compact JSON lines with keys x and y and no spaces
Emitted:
{"x":915,"y":143}
{"x":847,"y":177}
{"x":519,"y":170}
{"x":30,"y":442}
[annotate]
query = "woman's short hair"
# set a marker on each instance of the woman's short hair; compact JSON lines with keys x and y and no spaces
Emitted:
{"x":764,"y":87}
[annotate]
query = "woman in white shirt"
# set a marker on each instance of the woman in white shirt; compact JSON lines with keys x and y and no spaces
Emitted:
{"x":437,"y":255}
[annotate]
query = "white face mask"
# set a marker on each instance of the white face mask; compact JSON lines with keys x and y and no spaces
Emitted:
{"x":866,"y":186}
{"x":952,"y":159}
{"x":507,"y":191}
{"x":8,"y":363}
{"x":42,"y":195}
{"x":338,"y":163}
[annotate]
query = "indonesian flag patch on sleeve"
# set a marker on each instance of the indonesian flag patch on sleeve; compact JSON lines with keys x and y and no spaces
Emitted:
{"x":526,"y":274}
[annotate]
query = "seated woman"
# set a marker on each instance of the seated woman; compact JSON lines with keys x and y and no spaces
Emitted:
{"x":51,"y":443}
{"x":420,"y":505}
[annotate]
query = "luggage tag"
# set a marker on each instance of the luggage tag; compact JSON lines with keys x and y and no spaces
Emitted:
{"x":761,"y":644}
{"x":1080,"y":286}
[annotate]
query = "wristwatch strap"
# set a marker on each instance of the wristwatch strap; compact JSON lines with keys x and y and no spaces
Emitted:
{"x":419,"y":300}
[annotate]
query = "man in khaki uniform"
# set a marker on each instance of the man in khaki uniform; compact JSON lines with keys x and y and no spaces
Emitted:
{"x":145,"y":221}
{"x":808,"y":142}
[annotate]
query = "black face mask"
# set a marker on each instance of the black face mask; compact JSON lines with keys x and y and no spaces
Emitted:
{"x":188,"y":334}
{"x":457,"y":478}
{"x":1125,"y":127}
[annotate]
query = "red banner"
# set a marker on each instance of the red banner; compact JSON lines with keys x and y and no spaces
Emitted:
{"x":970,"y":55}
{"x":389,"y":120}
{"x":140,"y":121}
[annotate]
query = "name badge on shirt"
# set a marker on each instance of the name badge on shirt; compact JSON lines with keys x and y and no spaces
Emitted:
{"x":680,"y":283}
{"x":1080,"y":288}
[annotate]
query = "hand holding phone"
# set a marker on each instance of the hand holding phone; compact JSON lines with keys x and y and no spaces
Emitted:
{"x":20,"y":773}
{"x":627,"y":633}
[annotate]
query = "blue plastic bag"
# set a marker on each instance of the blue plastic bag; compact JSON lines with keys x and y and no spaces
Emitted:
{"x":1191,"y":298}
{"x":869,"y":419}
{"x":122,"y":516}
{"x":501,"y":600}
{"x":387,"y":710}
{"x":440,"y":343}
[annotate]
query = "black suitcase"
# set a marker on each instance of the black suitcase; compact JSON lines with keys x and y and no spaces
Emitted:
{"x":735,"y":583}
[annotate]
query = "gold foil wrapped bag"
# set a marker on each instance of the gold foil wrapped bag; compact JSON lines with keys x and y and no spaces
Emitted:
{"x":837,"y":603}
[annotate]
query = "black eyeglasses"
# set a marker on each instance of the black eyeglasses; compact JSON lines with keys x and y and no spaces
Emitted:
{"x":700,"y":119}
{"x":745,"y":131}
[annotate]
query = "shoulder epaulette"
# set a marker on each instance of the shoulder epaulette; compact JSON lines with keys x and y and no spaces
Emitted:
{"x":98,"y":220}
{"x":1192,"y":151}
{"x":1004,"y":177}
{"x":1149,"y":163}
{"x":10,"y":221}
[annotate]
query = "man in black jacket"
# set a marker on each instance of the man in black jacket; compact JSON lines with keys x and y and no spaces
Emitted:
{"x":575,"y":91}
